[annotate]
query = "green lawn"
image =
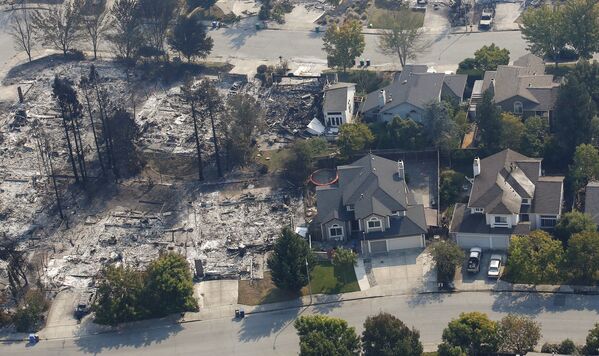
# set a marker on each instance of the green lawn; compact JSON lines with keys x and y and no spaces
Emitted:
{"x":276,"y":158}
{"x":376,"y":15}
{"x":328,"y":279}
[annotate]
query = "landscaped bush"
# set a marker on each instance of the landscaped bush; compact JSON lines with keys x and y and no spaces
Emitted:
{"x":29,"y":316}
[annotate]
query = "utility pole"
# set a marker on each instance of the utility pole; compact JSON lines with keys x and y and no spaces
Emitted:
{"x":309,"y":285}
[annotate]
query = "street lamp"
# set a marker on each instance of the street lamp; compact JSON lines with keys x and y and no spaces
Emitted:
{"x":309,"y":285}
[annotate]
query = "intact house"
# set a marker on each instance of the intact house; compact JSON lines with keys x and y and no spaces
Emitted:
{"x":371,"y":202}
{"x":509,"y":196}
{"x":338,"y":104}
{"x":522,"y":88}
{"x":410,"y":92}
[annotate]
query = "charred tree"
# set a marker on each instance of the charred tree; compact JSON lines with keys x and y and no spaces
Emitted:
{"x":210,"y":99}
{"x":85,"y":86}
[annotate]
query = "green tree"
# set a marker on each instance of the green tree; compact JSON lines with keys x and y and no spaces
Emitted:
{"x":592,"y":342}
{"x":448,"y":350}
{"x":451,"y":187}
{"x":169,"y":286}
{"x":246,"y":117}
{"x":489,"y":123}
{"x":120,"y":296}
{"x":574,"y":126}
{"x":29,"y":316}
{"x":511,"y":131}
{"x":204,"y":4}
{"x":354,"y":138}
{"x":473,"y":333}
{"x":535,"y":136}
{"x":585,"y":166}
{"x":447,"y":256}
{"x":572,"y":223}
{"x":398,"y":133}
{"x":587,"y":73}
{"x":288,"y":261}
{"x":343,"y":44}
{"x":582,"y":26}
{"x":325,"y":336}
{"x":583,"y":257}
{"x":301,"y":162}
{"x":385,"y":335}
{"x":489,"y":57}
{"x":518,"y":334}
{"x":535,"y":259}
{"x":401,"y":36}
{"x":189,"y":38}
{"x":544,"y":30}
{"x":439,"y":126}
{"x":344,"y":257}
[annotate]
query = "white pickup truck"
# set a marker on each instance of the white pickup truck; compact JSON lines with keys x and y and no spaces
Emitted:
{"x":486,"y":19}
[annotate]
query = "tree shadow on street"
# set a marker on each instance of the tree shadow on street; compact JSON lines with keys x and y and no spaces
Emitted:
{"x":239,"y":33}
{"x":133,"y":336}
{"x":257,"y":326}
{"x":535,"y":303}
{"x":426,"y":298}
{"x":324,"y":304}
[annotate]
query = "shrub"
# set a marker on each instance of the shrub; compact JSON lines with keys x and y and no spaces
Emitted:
{"x":29,"y":316}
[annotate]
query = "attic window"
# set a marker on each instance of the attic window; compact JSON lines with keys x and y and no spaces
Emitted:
{"x":518,"y":108}
{"x":525,"y":201}
{"x":478,"y":210}
{"x":374,"y":223}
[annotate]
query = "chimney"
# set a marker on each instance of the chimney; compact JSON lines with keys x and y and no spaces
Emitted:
{"x":382,"y":98}
{"x":400,"y":170}
{"x":476,"y":166}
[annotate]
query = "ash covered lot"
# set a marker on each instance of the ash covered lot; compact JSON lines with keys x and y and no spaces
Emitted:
{"x":224,"y":228}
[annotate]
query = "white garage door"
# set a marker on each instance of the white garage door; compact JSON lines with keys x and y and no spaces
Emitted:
{"x":486,"y":242}
{"x":406,"y":242}
{"x":378,"y":246}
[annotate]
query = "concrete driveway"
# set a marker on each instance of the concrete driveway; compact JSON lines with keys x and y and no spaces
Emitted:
{"x":217,"y":293}
{"x":471,"y":281}
{"x":403,"y":271}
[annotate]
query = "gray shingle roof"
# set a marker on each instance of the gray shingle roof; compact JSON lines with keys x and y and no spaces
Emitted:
{"x":591,"y":201}
{"x":507,"y":177}
{"x":548,"y":196}
{"x":412,"y":224}
{"x":336,"y":97}
{"x":416,"y":87}
{"x":465,"y":222}
{"x":373,"y":186}
{"x":525,"y":79}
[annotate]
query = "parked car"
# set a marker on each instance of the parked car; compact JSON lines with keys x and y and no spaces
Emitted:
{"x":476,"y":254}
{"x":486,"y":19}
{"x":494,"y":266}
{"x":83,"y":306}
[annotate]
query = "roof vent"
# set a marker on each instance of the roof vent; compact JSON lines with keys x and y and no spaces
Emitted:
{"x":405,"y":80}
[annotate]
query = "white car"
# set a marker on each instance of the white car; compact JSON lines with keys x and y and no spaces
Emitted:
{"x":494,"y":266}
{"x":486,"y":19}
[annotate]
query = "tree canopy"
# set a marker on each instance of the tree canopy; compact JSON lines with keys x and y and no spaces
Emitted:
{"x":488,"y":119}
{"x":325,"y":336}
{"x":473,"y":333}
{"x":189,"y":38}
{"x":447,"y":256}
{"x":592,"y":341}
{"x":518,"y":334}
{"x":169,"y":285}
{"x":543,"y":29}
{"x":583,"y":257}
{"x":402,"y":35}
{"x":585,"y":166}
{"x":385,"y":335}
{"x":489,"y":57}
{"x":582,"y":26}
{"x":512,"y":129}
{"x":246,"y":118}
{"x":535,"y":259}
{"x":288,"y":261}
{"x":571,"y":223}
{"x":535,"y":136}
{"x":439,"y":127}
{"x":343,"y":44}
{"x":120,"y":296}
{"x":353,"y":138}
{"x":301,"y":162}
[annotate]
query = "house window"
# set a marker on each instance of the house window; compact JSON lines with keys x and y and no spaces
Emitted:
{"x":525,"y":201}
{"x":336,"y":231}
{"x":524,"y":217}
{"x":478,"y":210}
{"x":374,"y":223}
{"x":548,"y":221}
{"x":349,"y":207}
{"x":500,"y":220}
{"x":518,"y":108}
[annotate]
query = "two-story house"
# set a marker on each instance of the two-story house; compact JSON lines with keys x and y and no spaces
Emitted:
{"x":509,"y":196}
{"x":371,"y":202}
{"x":410,"y":92}
{"x":522,"y":88}
{"x":338,"y":104}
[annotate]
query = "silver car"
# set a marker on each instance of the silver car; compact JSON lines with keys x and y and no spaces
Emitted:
{"x":494,"y":266}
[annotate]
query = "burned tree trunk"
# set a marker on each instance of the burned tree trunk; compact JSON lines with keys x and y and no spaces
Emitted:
{"x":198,"y":147}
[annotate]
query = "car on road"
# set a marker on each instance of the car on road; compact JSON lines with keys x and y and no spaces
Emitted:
{"x":494,"y":266}
{"x":486,"y":19}
{"x":474,"y":258}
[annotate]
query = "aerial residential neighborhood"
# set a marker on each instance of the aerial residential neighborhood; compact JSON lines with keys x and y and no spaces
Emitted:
{"x":299,"y":177}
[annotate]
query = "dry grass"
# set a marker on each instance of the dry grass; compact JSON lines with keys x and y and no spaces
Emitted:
{"x":376,"y":16}
{"x":262,"y":291}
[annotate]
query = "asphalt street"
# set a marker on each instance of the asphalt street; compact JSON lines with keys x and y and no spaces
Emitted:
{"x":272,"y":333}
{"x":441,"y":49}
